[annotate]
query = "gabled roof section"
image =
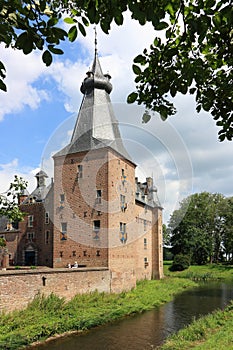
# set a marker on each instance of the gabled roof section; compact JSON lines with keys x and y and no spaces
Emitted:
{"x":96,"y":125}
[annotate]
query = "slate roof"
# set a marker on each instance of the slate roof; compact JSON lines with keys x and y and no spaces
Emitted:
{"x":96,"y":125}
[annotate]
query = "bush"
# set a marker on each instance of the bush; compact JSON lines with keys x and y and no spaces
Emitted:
{"x":181,"y":262}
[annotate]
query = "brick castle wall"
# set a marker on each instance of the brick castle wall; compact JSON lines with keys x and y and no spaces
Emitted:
{"x":18,"y":288}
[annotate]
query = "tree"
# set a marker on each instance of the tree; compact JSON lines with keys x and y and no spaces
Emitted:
{"x":9,"y":200}
{"x":228,"y":231}
{"x":198,"y":227}
{"x":195,"y":57}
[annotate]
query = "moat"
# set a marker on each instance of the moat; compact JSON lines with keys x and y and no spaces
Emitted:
{"x":150,"y":329}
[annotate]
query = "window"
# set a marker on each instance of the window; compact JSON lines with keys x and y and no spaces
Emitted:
{"x":123,"y":234}
{"x":145,"y":243}
{"x":62,"y":198}
{"x":96,"y":225}
{"x":80,"y":171}
{"x":74,"y":253}
{"x":47,"y":217}
{"x":30,"y":236}
{"x":47,"y":235}
{"x":96,"y":229}
{"x":63,"y":231}
{"x":98,"y":253}
{"x":61,"y":254}
{"x":146,"y":262}
{"x":122,"y":227}
{"x":85,"y":214}
{"x":30,"y":221}
{"x":145,"y":224}
{"x":123,"y":177}
{"x":84,"y":253}
{"x":98,"y":196}
{"x":122,"y":202}
{"x":122,"y":198}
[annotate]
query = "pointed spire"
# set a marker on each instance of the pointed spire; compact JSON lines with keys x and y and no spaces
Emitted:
{"x":96,"y":125}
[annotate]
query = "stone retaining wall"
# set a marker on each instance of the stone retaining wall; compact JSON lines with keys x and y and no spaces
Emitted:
{"x":19,"y":287}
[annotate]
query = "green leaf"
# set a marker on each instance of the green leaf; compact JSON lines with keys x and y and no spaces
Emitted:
{"x":85,"y":21}
{"x":47,"y":58}
{"x":161,"y":26}
{"x":55,"y":50}
{"x":28,"y":45}
{"x":119,"y":19}
{"x":69,"y":20}
{"x":146,"y":117}
{"x":136,"y":69}
{"x":132,"y":97}
{"x":2,"y":86}
{"x":192,"y":91}
{"x":72,"y":34}
{"x":82,"y":29}
{"x":139,"y":59}
{"x":21,"y":40}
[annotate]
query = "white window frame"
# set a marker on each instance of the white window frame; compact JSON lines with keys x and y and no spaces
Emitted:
{"x":47,"y":217}
{"x":30,"y":220}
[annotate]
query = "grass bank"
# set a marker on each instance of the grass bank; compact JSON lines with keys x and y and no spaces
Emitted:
{"x":46,"y":317}
{"x":213,"y":331}
{"x":203,"y":272}
{"x":210,"y":332}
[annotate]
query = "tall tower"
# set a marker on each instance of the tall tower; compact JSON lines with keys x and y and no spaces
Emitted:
{"x":84,"y":177}
{"x":102,"y":217}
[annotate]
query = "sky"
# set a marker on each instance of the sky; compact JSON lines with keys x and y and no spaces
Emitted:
{"x":38,"y":112}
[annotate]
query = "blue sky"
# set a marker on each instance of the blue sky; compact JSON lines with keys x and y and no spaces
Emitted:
{"x":39,"y":109}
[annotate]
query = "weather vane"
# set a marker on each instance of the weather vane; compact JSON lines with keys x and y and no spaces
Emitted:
{"x":95,"y":40}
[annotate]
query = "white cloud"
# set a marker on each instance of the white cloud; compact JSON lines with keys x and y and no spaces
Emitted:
{"x":21,"y":72}
{"x":9,"y":170}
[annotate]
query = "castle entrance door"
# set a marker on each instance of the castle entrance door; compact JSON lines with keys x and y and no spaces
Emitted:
{"x":30,"y":258}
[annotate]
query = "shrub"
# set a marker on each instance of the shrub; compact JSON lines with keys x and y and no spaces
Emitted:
{"x":181,"y":262}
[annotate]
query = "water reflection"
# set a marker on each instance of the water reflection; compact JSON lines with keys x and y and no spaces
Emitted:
{"x":151,"y":328}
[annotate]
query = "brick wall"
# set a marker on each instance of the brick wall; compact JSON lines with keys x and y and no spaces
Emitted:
{"x":18,"y":288}
{"x":80,"y":209}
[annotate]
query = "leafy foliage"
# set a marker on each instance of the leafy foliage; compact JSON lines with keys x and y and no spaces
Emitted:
{"x":9,"y":200}
{"x":181,"y":262}
{"x":194,"y":56}
{"x":202,"y":227}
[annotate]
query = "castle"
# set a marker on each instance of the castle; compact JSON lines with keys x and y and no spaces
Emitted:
{"x":94,"y":213}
